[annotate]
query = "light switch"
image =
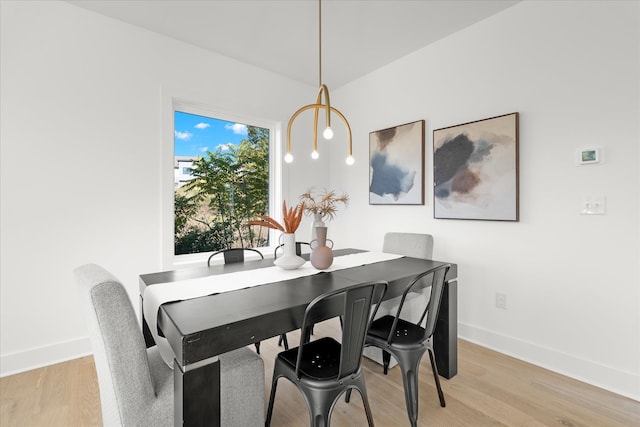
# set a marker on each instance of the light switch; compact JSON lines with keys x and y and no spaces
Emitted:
{"x":592,"y":205}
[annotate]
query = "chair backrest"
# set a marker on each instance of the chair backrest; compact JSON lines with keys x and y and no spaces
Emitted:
{"x":435,"y":279}
{"x":357,"y":305}
{"x":119,"y":350}
{"x":233,"y":255}
{"x":298,"y":249}
{"x":409,"y":244}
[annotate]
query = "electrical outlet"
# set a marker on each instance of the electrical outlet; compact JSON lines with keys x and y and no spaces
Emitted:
{"x":501,"y":301}
{"x":593,"y":205}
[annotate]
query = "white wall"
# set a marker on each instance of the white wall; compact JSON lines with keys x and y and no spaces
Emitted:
{"x":572,"y":71}
{"x":81,"y":132}
{"x":80,"y":89}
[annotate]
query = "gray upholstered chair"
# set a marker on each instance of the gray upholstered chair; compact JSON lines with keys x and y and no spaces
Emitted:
{"x":136,"y":386}
{"x":413,"y":245}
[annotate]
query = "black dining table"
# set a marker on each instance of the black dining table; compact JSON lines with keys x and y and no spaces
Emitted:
{"x":200,"y":329}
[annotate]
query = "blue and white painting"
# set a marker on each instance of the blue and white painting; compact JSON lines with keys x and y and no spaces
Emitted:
{"x":396,"y":165}
{"x":475,"y":170}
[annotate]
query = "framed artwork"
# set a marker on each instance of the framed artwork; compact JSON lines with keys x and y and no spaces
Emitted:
{"x":396,"y":165}
{"x":475,"y":170}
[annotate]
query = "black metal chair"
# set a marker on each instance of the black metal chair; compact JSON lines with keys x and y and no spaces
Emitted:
{"x":325,"y":368}
{"x":415,"y":245}
{"x":298,"y":249}
{"x":407,"y":341}
{"x":237,"y":255}
{"x":233,"y":255}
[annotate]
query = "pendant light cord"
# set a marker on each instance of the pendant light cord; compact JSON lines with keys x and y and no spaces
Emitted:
{"x":319,"y":43}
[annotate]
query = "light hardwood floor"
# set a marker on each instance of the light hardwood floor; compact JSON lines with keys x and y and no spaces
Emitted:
{"x":491,"y":389}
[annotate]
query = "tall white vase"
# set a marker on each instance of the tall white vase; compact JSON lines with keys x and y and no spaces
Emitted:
{"x":289,"y":260}
{"x":317,"y":222}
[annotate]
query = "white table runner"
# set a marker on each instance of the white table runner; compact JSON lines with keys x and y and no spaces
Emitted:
{"x":156,"y":295}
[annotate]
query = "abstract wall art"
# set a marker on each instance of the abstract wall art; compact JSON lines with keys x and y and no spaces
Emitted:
{"x":396,"y":165}
{"x":475,"y":170}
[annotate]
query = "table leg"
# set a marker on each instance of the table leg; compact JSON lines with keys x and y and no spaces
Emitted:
{"x":445,"y":336}
{"x":197,"y":394}
{"x":146,"y":333}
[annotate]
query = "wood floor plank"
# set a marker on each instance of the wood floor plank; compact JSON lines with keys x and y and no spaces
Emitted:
{"x":491,"y":389}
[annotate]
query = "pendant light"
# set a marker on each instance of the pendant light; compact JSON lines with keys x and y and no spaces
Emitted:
{"x":323,"y":93}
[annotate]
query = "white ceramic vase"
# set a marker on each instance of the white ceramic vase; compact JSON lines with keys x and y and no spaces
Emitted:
{"x":289,"y":260}
{"x":317,"y":222}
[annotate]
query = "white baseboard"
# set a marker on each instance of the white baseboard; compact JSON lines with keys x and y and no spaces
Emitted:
{"x":620,"y":382}
{"x":34,"y":358}
{"x":606,"y":377}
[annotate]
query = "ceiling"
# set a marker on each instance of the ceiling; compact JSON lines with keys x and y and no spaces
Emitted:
{"x":358,"y":36}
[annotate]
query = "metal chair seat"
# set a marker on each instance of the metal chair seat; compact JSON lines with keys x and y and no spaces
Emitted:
{"x":321,"y":360}
{"x":406,"y":335}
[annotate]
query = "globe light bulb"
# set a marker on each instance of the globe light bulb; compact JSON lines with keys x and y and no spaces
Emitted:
{"x":328,"y":133}
{"x":315,"y":155}
{"x":350,"y":160}
{"x":288,"y":158}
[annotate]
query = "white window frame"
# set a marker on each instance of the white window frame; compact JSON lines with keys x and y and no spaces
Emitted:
{"x":171,"y":103}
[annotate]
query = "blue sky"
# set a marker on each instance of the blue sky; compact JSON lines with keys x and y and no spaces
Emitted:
{"x":195,"y":135}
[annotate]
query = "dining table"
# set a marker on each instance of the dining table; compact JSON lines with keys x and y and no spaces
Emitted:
{"x":199,"y":329}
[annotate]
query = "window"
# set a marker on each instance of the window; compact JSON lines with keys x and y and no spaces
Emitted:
{"x":221,"y":178}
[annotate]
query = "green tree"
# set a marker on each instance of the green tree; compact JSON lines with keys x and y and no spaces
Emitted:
{"x":229,"y":188}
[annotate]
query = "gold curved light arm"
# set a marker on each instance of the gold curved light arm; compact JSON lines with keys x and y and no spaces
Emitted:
{"x":323,"y":89}
{"x":317,"y":107}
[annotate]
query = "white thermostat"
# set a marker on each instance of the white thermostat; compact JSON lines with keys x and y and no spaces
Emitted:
{"x":587,"y":156}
